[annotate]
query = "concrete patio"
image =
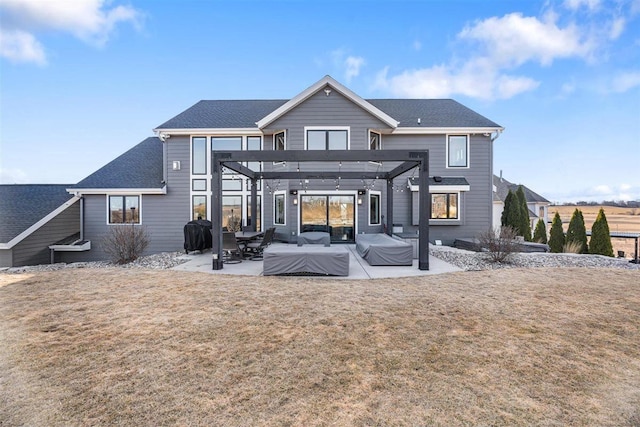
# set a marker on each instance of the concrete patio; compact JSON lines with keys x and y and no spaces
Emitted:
{"x":358,"y":268}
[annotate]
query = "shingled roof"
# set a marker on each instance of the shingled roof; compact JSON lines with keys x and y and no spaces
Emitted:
{"x":503,"y":186}
{"x":140,"y":167}
{"x":436,"y":113}
{"x":22,"y":205}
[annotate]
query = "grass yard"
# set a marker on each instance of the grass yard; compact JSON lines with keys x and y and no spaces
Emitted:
{"x":142,"y":347}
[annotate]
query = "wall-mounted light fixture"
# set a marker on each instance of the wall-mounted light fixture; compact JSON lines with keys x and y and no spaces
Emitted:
{"x":294,"y":193}
{"x":176,"y":165}
{"x":361,"y":193}
{"x":295,"y":200}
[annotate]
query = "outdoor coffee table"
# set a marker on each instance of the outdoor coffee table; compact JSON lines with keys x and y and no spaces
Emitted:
{"x":314,"y":237}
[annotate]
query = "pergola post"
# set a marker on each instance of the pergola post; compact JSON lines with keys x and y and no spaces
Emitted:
{"x":424,"y":213}
{"x":216,"y":207}
{"x":390,"y":206}
{"x":254,"y":204}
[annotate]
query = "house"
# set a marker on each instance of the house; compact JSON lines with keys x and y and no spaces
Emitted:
{"x":324,"y":159}
{"x":33,"y":218}
{"x":538,"y":205}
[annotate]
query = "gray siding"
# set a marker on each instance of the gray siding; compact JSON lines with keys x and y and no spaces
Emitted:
{"x":330,"y":111}
{"x":34,"y":249}
{"x":6,"y":258}
{"x":164,"y":216}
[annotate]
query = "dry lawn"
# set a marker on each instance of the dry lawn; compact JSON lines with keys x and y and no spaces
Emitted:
{"x":619,"y":219}
{"x":136,"y":347}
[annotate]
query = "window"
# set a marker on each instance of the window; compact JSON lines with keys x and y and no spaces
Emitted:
{"x":254,"y":143}
{"x":444,"y":206}
{"x":225,"y":143}
{"x":124,"y":209}
{"x":199,"y":155}
{"x":374,"y":208}
{"x":279,"y":141}
{"x":258,"y":222}
{"x":232,"y":213}
{"x":231,"y":184}
{"x":375,"y":141}
{"x":327,"y":140}
{"x":199,"y":207}
{"x":279,"y":209}
{"x":458,"y":151}
{"x":199,"y":185}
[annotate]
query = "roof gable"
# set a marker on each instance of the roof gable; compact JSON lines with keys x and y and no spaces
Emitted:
{"x":327,"y":83}
{"x":503,"y":186}
{"x":23,"y":205}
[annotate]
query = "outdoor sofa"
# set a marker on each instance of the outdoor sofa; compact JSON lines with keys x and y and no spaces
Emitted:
{"x":382,"y":249}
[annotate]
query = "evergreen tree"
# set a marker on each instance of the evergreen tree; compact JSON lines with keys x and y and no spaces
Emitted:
{"x":556,"y":235}
{"x":524,"y":225}
{"x":511,"y":212}
{"x":540,"y":233}
{"x":600,"y":236}
{"x":577,"y":232}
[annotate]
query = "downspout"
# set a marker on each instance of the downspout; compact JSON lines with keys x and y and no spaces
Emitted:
{"x":493,"y":138}
{"x":81,"y":218}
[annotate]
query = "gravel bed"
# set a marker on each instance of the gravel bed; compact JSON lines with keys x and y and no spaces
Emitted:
{"x":473,"y":261}
{"x":161,"y":261}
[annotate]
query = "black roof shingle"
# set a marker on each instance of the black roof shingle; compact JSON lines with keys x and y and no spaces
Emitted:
{"x":22,"y":205}
{"x":140,"y":167}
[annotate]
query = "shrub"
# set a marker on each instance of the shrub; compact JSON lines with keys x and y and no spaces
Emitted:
{"x":125,"y":243}
{"x":540,"y":233}
{"x":600,"y":236}
{"x":577,"y":233}
{"x":524,"y":226}
{"x":556,"y":235}
{"x":511,"y":212}
{"x":572,"y":247}
{"x":500,"y":244}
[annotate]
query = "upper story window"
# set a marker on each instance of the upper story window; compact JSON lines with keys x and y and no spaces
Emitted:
{"x":375,"y":141}
{"x":124,"y":209}
{"x":327,"y":139}
{"x":226,"y":143}
{"x":279,"y":141}
{"x":199,"y":155}
{"x":458,"y":151}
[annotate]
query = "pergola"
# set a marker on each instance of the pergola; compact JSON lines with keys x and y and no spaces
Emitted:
{"x":407,"y":159}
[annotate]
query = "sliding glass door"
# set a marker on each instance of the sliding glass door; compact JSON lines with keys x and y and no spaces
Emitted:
{"x":333,"y":214}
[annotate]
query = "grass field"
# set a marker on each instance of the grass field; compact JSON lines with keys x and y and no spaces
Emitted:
{"x":619,"y":219}
{"x":141,"y":347}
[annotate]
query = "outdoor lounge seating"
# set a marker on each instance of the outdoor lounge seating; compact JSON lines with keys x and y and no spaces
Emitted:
{"x":256,"y":248}
{"x":382,"y":249}
{"x":313,"y":260}
{"x":314,"y":237}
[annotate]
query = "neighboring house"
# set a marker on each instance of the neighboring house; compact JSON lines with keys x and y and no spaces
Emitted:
{"x":166,"y":181}
{"x":33,"y":218}
{"x":538,"y":205}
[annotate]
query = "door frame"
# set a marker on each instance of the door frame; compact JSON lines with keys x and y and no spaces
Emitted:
{"x":328,"y":193}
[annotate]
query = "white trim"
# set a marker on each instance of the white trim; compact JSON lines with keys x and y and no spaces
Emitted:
{"x":441,"y":188}
{"x":311,"y":90}
{"x":108,"y":206}
{"x":369,"y":132}
{"x":273,"y":140}
{"x":330,"y":193}
{"x":26,"y":233}
{"x":117,"y":191}
{"x":327,"y":128}
{"x":468,"y":153}
{"x":86,"y":246}
{"x":444,"y":221}
{"x":445,"y":130}
{"x":210,"y":132}
{"x":273,"y":218}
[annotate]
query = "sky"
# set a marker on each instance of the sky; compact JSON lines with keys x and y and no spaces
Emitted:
{"x":83,"y":81}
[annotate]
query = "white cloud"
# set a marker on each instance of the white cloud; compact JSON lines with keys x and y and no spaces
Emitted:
{"x":502,"y":45}
{"x":353,"y":65}
{"x":625,"y":81}
{"x":13,"y":176}
{"x":515,"y":39}
{"x":617,"y":27}
{"x":92,"y":21}
{"x":19,"y":46}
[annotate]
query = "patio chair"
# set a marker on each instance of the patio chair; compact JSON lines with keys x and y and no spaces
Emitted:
{"x":231,"y":252}
{"x":257,"y":247}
